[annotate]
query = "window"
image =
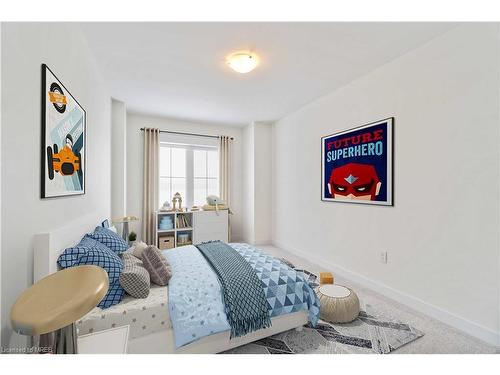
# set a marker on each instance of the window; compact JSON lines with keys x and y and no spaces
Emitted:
{"x":206,"y":175}
{"x":191,"y":170}
{"x":172,"y":173}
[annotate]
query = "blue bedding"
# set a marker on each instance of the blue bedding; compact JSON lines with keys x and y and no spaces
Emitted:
{"x":195,"y":296}
{"x":244,"y":299}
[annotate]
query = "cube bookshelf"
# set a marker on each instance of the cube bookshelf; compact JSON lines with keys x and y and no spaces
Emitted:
{"x":181,"y":229}
{"x":175,"y":229}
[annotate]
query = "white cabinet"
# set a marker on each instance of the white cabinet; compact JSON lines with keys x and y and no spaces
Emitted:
{"x":109,"y":341}
{"x":210,"y":226}
{"x":191,"y":227}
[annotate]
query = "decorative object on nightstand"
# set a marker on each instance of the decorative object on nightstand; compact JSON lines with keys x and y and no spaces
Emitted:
{"x":339,"y":304}
{"x":166,"y":207}
{"x":326,"y":278}
{"x":215,"y":203}
{"x":132,"y":237}
{"x":125,"y":220}
{"x":214,"y":200}
{"x":208,"y":207}
{"x":177,"y":199}
{"x":50,"y":307}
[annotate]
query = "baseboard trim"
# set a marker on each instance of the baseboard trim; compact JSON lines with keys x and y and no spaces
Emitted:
{"x":467,"y":326}
{"x":262,"y":243}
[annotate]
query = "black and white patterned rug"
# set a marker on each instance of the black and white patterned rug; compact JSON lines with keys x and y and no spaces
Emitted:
{"x":370,"y":333}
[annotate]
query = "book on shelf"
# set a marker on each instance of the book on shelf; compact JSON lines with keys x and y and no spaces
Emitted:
{"x":182,"y":222}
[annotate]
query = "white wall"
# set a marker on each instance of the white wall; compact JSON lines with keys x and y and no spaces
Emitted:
{"x":263,"y":182}
{"x":62,"y":47}
{"x":118,"y":158}
{"x":442,"y":233}
{"x":134,"y":162}
{"x":257,"y":186}
{"x":248,"y":184}
{"x":498,"y":343}
{"x":1,"y":319}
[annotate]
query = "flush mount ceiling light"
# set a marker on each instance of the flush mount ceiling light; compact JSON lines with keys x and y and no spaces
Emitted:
{"x":243,"y":62}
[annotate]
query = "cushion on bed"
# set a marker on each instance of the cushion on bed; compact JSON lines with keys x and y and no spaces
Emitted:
{"x":70,"y":256}
{"x":114,"y":296}
{"x":157,"y":266}
{"x":134,"y":277}
{"x":92,"y":252}
{"x":105,"y":258}
{"x":138,"y":248}
{"x":110,"y":239}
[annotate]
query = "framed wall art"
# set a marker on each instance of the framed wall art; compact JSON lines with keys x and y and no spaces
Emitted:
{"x":357,"y":164}
{"x":63,"y":139}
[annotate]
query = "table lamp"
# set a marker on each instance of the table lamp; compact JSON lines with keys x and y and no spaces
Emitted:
{"x":125,"y":220}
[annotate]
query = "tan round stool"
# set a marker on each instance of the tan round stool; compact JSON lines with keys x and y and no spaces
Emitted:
{"x":51,"y":306}
{"x":338,"y":304}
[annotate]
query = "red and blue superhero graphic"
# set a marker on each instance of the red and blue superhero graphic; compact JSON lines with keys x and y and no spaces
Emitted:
{"x":354,"y":181}
{"x":356,"y":164}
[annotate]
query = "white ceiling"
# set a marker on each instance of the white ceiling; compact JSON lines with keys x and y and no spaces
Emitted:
{"x":178,"y":70}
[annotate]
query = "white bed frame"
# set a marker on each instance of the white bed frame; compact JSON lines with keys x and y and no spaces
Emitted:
{"x":47,"y":248}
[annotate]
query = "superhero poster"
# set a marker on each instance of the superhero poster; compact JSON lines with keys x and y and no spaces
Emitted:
{"x":63,"y":139}
{"x":357,"y":165}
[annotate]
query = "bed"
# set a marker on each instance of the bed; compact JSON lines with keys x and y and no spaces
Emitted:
{"x":144,"y":316}
{"x":148,"y":322}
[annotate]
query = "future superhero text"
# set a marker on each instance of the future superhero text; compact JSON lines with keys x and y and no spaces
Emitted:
{"x":366,"y":144}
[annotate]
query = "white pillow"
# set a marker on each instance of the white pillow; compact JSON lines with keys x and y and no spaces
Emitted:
{"x":138,"y":248}
{"x":113,"y":229}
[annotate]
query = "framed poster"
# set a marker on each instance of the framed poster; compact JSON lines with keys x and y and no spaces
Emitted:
{"x":63,"y":139}
{"x":357,"y":165}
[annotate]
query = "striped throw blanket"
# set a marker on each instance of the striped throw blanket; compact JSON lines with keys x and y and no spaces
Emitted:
{"x":243,"y":294}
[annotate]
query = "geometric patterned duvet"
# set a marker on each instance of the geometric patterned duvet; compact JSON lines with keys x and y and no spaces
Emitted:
{"x":285,"y":289}
{"x":195,"y":296}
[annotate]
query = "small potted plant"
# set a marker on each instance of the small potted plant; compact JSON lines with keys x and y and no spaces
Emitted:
{"x":132,"y":237}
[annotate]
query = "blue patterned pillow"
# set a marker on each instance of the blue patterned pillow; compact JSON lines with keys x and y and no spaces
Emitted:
{"x":70,"y":256}
{"x":103,"y":257}
{"x":115,"y":295}
{"x":110,"y":239}
{"x":90,"y":251}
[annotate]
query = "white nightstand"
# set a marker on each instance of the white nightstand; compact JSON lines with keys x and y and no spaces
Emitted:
{"x":109,"y":341}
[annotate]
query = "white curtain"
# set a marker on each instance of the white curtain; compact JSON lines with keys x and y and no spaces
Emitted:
{"x":224,"y":158}
{"x":224,"y":166}
{"x":150,"y":183}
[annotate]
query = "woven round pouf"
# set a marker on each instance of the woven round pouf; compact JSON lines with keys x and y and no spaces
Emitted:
{"x":338,"y":304}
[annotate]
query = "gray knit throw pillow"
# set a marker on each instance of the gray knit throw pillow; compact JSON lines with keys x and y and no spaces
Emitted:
{"x":134,"y":278}
{"x":157,"y":266}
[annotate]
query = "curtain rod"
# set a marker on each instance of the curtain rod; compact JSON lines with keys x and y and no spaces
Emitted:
{"x":197,"y":135}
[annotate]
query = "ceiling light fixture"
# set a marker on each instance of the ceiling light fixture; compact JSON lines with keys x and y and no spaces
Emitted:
{"x":242,"y":62}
